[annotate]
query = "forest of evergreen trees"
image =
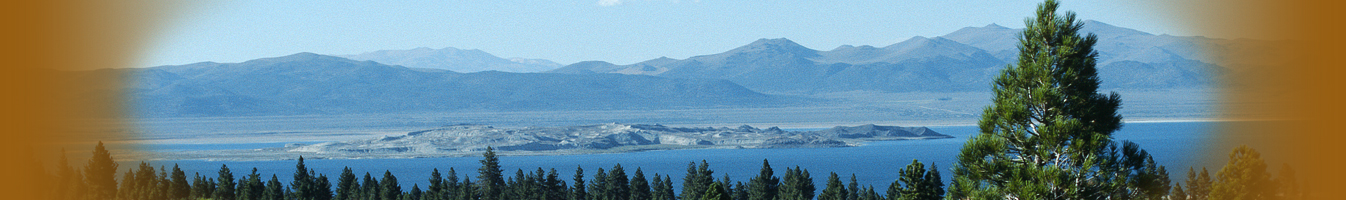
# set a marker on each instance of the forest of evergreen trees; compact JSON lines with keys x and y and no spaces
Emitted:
{"x":1244,"y":177}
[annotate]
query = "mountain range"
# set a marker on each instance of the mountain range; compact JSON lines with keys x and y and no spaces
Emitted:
{"x":965,"y":60}
{"x":457,"y":60}
{"x":766,"y":72}
{"x":307,"y":83}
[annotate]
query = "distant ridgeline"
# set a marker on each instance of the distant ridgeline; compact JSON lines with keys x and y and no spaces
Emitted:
{"x":419,"y":80}
{"x":466,"y":140}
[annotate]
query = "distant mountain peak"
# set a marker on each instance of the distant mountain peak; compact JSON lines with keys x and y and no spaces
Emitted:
{"x":994,"y":26}
{"x":1108,"y":30}
{"x":778,"y":45}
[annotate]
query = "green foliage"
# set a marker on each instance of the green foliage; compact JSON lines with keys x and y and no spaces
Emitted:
{"x":715,"y":191}
{"x":640,"y":187}
{"x":797,"y":185}
{"x":662,"y":189}
{"x":224,"y":187}
{"x":618,"y":187}
{"x":347,"y":187}
{"x":251,"y":187}
{"x":436,"y":189}
{"x":834,"y":190}
{"x":916,"y":183}
{"x":1177,"y":193}
{"x":765,"y":186}
{"x":178,"y":185}
{"x":1198,"y":186}
{"x":468,"y":190}
{"x":1047,"y":134}
{"x":579,"y":192}
{"x":274,"y":190}
{"x":492,"y":181}
{"x":388,"y":187}
{"x":99,"y":172}
{"x":697,"y":181}
{"x":1244,"y":177}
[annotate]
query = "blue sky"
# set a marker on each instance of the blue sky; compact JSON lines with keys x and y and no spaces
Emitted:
{"x":569,"y":31}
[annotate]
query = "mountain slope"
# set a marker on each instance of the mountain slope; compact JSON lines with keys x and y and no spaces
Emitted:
{"x":308,"y":83}
{"x":964,"y":60}
{"x":783,"y":66}
{"x":453,"y":59}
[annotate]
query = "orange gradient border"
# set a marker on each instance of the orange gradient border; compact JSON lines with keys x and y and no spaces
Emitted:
{"x":40,"y":116}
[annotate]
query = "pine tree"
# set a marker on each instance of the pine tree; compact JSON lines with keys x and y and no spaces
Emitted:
{"x":322,"y":188}
{"x":797,"y":185}
{"x":99,"y":172}
{"x":579,"y":192}
{"x":1244,"y":177}
{"x":1048,"y":132}
{"x":1198,"y":186}
{"x":415,"y":193}
{"x":302,"y":184}
{"x":834,"y":190}
{"x":129,"y":187}
{"x":935,"y":183}
{"x":656,"y":187}
{"x":598,"y":187}
{"x":274,"y":190}
{"x":697,"y":181}
{"x":667,"y":189}
{"x":492,"y":181}
{"x":740,"y":191}
{"x":468,"y":190}
{"x":251,"y":187}
{"x":347,"y":185}
{"x":451,"y":186}
{"x":619,"y":188}
{"x":224,"y":188}
{"x":640,"y":187}
{"x":65,"y":179}
{"x":853,"y":189}
{"x":765,"y":185}
{"x":198,"y":187}
{"x":916,"y":183}
{"x":181,"y":189}
{"x":556,"y":188}
{"x":162,"y":187}
{"x":369,"y":188}
{"x":1178,"y":193}
{"x":728,"y":185}
{"x":715,"y":191}
{"x":388,"y":188}
{"x":436,"y":187}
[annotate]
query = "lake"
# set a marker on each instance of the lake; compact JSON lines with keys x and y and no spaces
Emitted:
{"x":1176,"y":145}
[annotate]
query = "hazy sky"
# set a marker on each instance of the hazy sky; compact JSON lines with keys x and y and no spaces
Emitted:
{"x":569,"y":31}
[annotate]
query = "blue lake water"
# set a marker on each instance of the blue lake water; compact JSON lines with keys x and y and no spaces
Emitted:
{"x":1176,"y":145}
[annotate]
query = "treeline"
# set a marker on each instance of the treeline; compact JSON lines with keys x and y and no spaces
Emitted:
{"x":1244,"y":177}
{"x":148,"y":183}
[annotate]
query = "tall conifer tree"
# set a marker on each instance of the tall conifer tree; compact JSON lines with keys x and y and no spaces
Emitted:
{"x":99,"y":172}
{"x":579,"y":192}
{"x":224,"y":188}
{"x":347,"y":185}
{"x":491,"y":179}
{"x":765,"y":185}
{"x":640,"y":187}
{"x":834,"y":190}
{"x":1047,"y":134}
